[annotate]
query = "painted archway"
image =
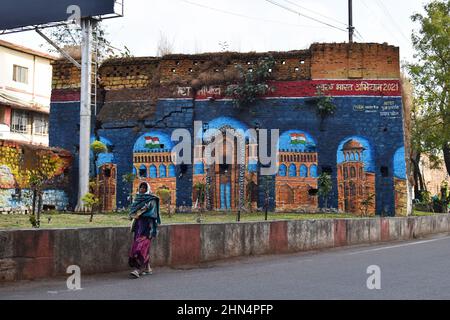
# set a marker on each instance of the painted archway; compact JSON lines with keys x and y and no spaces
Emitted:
{"x":297,"y":153}
{"x":152,"y":150}
{"x":356,"y":176}
{"x":230,"y":182}
{"x":105,"y":170}
{"x":400,"y":183}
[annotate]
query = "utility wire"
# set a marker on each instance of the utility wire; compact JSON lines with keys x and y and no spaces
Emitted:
{"x":382,"y":24}
{"x":383,"y":7}
{"x":358,"y":35}
{"x":245,"y":16}
{"x":316,"y":12}
{"x":304,"y":15}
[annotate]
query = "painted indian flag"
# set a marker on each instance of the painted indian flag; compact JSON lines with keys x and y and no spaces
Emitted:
{"x":152,"y":142}
{"x":298,"y":138}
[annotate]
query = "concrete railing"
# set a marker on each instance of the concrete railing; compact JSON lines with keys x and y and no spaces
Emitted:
{"x":33,"y":254}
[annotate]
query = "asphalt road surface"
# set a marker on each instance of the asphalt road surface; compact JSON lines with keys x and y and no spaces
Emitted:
{"x":408,"y":270}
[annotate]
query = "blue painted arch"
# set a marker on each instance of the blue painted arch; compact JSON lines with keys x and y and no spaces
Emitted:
{"x":366,"y":157}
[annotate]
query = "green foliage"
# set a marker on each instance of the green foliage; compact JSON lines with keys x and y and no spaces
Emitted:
{"x":128,"y":178}
{"x":98,"y":147}
{"x":200,"y":187}
{"x":66,"y":36}
{"x":165,"y":195}
{"x":34,"y":222}
{"x":253,"y":82}
{"x":367,"y":202}
{"x":325,"y":186}
{"x":325,"y":105}
{"x":431,"y":79}
{"x":90,"y":200}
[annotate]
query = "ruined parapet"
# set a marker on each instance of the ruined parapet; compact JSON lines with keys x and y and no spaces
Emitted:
{"x":354,"y":61}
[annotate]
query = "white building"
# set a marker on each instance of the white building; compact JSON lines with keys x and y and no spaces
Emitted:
{"x":25,"y":89}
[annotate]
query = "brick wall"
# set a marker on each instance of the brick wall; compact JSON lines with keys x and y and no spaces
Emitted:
{"x":146,"y":94}
{"x":355,"y":61}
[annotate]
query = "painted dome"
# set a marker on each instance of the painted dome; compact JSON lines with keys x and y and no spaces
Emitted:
{"x":352,"y":145}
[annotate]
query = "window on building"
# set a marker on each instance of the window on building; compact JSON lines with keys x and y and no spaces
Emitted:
{"x":352,"y":172}
{"x":153,"y":171}
{"x":162,"y":171}
{"x":19,"y":121}
{"x":143,"y":171}
{"x":2,"y":115}
{"x":20,"y":74}
{"x":303,"y":171}
{"x":292,"y":170}
{"x":40,"y":125}
{"x":282,"y":170}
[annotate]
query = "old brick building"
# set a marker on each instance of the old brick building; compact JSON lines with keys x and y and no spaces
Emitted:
{"x":144,"y":99}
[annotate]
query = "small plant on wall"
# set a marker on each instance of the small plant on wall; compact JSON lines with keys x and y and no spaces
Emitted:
{"x":325,"y":107}
{"x":253,"y":83}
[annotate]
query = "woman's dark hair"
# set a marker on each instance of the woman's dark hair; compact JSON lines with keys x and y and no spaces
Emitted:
{"x":143,"y":184}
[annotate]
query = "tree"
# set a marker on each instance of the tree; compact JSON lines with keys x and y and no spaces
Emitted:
{"x":252,"y":82}
{"x":97,"y":147}
{"x":70,"y":36}
{"x":166,"y":198}
{"x":164,"y":46}
{"x":366,"y":203}
{"x":129,"y":179}
{"x":431,"y":78}
{"x":200,"y":188}
{"x":325,"y":186}
{"x":91,"y":201}
{"x":46,"y":167}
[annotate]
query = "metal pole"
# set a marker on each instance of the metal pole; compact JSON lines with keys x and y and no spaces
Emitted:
{"x":65,"y":54}
{"x":350,"y":21}
{"x":85,"y":111}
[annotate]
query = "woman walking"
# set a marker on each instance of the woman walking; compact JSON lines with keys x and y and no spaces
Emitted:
{"x":145,"y":214}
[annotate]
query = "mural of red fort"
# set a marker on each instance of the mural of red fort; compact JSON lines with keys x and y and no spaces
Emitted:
{"x":356,"y":176}
{"x":153,"y":164}
{"x":297,"y":172}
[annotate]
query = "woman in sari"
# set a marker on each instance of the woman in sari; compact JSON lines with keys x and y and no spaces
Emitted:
{"x":145,"y":214}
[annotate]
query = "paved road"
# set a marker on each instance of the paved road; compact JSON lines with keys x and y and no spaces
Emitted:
{"x":409,"y":270}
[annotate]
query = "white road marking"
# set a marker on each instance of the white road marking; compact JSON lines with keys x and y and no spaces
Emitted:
{"x":397,"y":246}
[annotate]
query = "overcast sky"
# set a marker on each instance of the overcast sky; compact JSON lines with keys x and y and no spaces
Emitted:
{"x":194,"y":26}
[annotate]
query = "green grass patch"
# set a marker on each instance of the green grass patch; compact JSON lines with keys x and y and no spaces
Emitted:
{"x":423,"y":213}
{"x":71,"y":220}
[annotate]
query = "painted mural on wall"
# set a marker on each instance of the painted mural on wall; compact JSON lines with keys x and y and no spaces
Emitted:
{"x":356,"y":176}
{"x":400,"y":182}
{"x":152,"y":162}
{"x":297,"y":172}
{"x":106,"y":176}
{"x":228,"y":186}
{"x":18,"y":163}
